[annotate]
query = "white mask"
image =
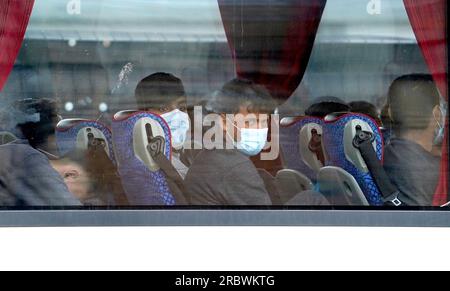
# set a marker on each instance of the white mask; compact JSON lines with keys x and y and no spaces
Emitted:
{"x":179,"y":124}
{"x":253,"y":140}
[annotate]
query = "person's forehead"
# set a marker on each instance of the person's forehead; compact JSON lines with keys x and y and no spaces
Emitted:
{"x":65,"y":165}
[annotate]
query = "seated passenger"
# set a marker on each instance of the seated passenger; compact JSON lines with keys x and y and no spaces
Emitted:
{"x":227,"y":176}
{"x":323,"y":106}
{"x":72,"y":168}
{"x":366,"y":108}
{"x":414,"y":105}
{"x":90,"y":178}
{"x":164,"y":94}
{"x":26,"y":176}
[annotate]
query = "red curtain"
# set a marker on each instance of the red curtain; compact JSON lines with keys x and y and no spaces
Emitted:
{"x":429,"y":21}
{"x":14,"y":16}
{"x":272,"y":40}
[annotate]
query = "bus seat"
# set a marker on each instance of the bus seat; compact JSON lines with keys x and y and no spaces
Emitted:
{"x":80,"y":134}
{"x":308,"y":198}
{"x":301,"y":144}
{"x":271,"y":186}
{"x":340,"y":188}
{"x":290,"y":183}
{"x":144,"y":181}
{"x":339,"y":133}
{"x":6,"y":137}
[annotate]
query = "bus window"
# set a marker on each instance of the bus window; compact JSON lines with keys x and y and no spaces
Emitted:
{"x":322,"y":103}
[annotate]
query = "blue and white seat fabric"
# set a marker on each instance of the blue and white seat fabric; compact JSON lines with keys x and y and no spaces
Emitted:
{"x":339,"y":133}
{"x":72,"y":134}
{"x":301,"y":144}
{"x":144,"y":182}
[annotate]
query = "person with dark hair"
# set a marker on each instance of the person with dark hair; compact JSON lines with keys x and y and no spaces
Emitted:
{"x":164,"y":94}
{"x":161,"y":93}
{"x":26,"y":176}
{"x":415,"y":113}
{"x":366,"y":108}
{"x":225,"y":175}
{"x":40,"y":134}
{"x":323,"y":106}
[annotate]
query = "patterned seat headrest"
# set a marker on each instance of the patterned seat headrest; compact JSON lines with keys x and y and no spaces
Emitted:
{"x":148,"y":135}
{"x":301,"y":142}
{"x":339,"y":135}
{"x":135,"y":135}
{"x":79,"y":134}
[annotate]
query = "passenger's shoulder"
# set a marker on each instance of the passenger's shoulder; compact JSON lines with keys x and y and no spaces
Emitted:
{"x":24,"y":152}
{"x":403,"y":148}
{"x":225,"y":159}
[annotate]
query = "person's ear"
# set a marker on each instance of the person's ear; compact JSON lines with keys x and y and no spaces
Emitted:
{"x":71,"y":175}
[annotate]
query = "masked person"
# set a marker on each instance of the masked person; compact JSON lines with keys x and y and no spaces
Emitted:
{"x":417,"y":120}
{"x":26,"y":176}
{"x":164,"y":94}
{"x":224,"y":174}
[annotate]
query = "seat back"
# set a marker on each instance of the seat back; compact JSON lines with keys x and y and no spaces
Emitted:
{"x":301,"y":143}
{"x":143,"y":180}
{"x":340,"y":188}
{"x":290,"y":183}
{"x":79,"y":134}
{"x":339,"y":133}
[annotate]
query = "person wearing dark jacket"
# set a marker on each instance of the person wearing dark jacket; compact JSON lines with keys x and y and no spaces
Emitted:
{"x":26,"y":176}
{"x":414,"y":108}
{"x":323,"y":106}
{"x":223,"y":174}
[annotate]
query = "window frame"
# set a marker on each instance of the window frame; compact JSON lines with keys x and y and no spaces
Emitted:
{"x":288,"y":216}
